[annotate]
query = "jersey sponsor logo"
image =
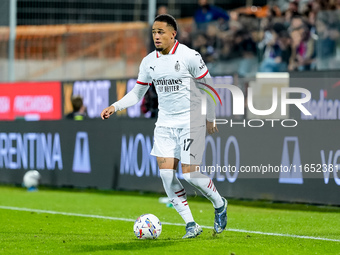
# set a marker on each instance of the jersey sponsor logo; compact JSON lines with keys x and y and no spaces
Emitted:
{"x":167,"y":88}
{"x":166,"y":81}
{"x":177,"y":66}
{"x":153,"y":68}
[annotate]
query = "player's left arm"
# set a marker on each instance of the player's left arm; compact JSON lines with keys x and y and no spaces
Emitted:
{"x":200,"y":72}
{"x":211,"y":127}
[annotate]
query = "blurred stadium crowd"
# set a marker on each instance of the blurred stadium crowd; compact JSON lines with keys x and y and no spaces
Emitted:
{"x":87,"y":39}
{"x":304,"y":36}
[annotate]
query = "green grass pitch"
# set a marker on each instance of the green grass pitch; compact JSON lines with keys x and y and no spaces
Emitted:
{"x":72,"y":224}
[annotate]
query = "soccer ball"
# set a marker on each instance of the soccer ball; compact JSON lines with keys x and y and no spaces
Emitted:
{"x":147,"y":226}
{"x":31,"y":179}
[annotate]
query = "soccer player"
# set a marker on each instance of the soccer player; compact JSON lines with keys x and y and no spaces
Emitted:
{"x":178,"y":134}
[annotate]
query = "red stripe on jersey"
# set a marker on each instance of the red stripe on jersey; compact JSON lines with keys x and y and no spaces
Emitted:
{"x":157,"y":54}
{"x":175,"y":48}
{"x":142,"y":83}
{"x":202,"y":75}
{"x":179,"y":191}
{"x":182,"y":195}
{"x":184,"y":201}
{"x":185,"y":204}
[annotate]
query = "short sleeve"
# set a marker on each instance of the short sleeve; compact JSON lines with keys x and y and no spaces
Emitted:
{"x":143,"y":75}
{"x":197,"y":67}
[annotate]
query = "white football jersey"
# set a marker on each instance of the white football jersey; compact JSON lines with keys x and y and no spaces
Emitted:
{"x":171,"y":75}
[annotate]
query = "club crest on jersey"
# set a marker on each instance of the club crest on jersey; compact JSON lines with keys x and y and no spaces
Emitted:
{"x":202,"y":64}
{"x":177,"y":66}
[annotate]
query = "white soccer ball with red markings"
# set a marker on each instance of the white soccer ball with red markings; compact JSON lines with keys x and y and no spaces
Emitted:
{"x":147,"y":226}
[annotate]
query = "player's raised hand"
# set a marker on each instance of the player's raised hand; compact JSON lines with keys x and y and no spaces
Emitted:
{"x":107,"y":112}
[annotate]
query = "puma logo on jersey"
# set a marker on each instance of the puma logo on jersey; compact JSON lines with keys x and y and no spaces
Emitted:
{"x":192,"y":155}
{"x":153,"y":68}
{"x":172,"y":201}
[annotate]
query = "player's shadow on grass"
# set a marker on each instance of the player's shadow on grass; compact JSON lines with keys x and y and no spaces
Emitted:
{"x":134,"y":245}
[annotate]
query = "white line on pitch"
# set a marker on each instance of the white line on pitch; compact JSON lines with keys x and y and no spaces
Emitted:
{"x":164,"y":223}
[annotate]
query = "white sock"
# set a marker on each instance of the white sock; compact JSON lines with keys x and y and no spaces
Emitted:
{"x":176,"y":194}
{"x":206,"y":186}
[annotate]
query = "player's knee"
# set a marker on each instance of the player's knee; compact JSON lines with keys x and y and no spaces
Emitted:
{"x":167,"y":175}
{"x":187,"y":177}
{"x":194,"y":178}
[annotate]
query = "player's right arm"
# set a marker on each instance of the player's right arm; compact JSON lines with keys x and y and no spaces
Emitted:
{"x":134,"y":96}
{"x":130,"y":99}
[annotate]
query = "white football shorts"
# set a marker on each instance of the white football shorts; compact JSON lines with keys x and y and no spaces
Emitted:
{"x":185,"y":144}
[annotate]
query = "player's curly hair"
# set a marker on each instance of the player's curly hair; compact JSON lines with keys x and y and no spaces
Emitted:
{"x":168,"y":19}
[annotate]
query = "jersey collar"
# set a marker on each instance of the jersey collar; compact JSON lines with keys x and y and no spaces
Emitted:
{"x":171,"y":52}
